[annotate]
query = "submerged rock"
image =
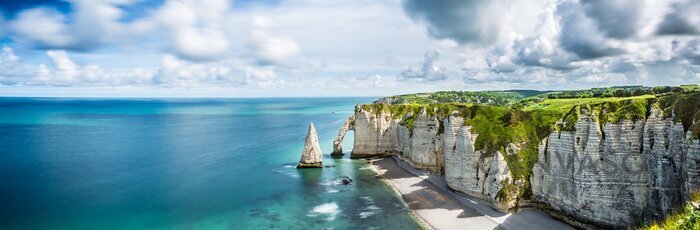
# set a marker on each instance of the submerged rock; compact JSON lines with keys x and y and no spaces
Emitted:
{"x":311,"y":155}
{"x":345,"y":181}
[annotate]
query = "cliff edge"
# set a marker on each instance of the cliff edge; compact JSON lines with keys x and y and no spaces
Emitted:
{"x":605,"y":162}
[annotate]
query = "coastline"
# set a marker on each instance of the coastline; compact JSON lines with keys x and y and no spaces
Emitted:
{"x":419,"y":220}
{"x":433,"y":207}
{"x":437,"y":207}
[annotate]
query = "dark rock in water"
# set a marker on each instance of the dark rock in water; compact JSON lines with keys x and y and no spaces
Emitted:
{"x":329,"y":166}
{"x":345,"y":181}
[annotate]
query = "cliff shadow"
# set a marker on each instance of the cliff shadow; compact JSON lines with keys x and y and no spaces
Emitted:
{"x":418,"y":192}
{"x":532,"y":219}
{"x":430,"y":197}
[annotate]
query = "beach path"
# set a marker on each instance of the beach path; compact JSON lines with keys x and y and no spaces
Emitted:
{"x":428,"y":196}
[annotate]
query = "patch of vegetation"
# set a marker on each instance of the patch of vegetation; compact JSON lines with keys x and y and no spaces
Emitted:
{"x":485,"y":97}
{"x":508,"y":192}
{"x":564,"y":105}
{"x":688,"y":218}
{"x":616,"y":91}
{"x":631,"y":109}
{"x":686,"y":108}
{"x":569,"y":120}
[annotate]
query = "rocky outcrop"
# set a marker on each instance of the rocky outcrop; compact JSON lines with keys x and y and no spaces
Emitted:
{"x":422,"y":146}
{"x":380,"y":133}
{"x":468,"y":172}
{"x":376,"y":133}
{"x":311,"y":155}
{"x":349,"y":124}
{"x":438,"y":144}
{"x":619,"y":175}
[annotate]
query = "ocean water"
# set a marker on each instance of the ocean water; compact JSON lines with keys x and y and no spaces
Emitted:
{"x":183,"y":164}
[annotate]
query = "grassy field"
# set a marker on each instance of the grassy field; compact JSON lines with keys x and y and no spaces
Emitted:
{"x":564,"y":105}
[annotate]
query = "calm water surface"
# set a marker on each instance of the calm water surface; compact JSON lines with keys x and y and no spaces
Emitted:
{"x":182,"y":164}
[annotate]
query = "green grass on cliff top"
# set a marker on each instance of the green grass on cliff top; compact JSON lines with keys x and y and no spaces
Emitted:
{"x":564,"y":105}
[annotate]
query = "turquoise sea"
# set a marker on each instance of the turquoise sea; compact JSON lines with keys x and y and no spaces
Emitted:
{"x":183,"y":164}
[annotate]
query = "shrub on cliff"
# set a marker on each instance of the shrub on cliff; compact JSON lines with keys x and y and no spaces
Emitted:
{"x":688,"y":218}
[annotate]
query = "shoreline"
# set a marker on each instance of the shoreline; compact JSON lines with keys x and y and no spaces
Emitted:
{"x":435,"y":208}
{"x":438,"y":207}
{"x":419,"y":220}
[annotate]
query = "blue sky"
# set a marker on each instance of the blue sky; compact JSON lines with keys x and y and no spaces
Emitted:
{"x":341,"y":48}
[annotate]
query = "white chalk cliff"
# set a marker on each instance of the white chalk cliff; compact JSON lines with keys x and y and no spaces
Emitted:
{"x":348,"y":125}
{"x":430,"y":145}
{"x":311,"y":156}
{"x":626,"y":173}
{"x":613,"y":175}
{"x":375,"y":133}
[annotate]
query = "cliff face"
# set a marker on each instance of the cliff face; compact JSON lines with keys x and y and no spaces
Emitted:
{"x":610,"y":162}
{"x":434,"y":143}
{"x":466,"y":171}
{"x":422,"y":147}
{"x":376,"y":133}
{"x":379,"y":133}
{"x":623,"y":174}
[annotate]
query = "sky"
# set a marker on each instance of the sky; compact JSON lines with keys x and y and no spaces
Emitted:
{"x":271,"y":48}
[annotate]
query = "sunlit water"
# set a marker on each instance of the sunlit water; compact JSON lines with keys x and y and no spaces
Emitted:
{"x":182,"y":164}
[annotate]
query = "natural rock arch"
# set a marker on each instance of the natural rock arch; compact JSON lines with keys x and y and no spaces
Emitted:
{"x":349,"y":124}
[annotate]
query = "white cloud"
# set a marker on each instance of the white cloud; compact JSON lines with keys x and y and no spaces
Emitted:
{"x":8,"y":55}
{"x":196,"y":27}
{"x":428,"y":71}
{"x":43,"y":27}
{"x":357,"y":46}
{"x":180,"y":73}
{"x":542,"y":49}
{"x":261,"y":77}
{"x":10,"y":72}
{"x":91,"y":24}
{"x":63,"y":71}
{"x":614,"y":78}
{"x":269,"y":48}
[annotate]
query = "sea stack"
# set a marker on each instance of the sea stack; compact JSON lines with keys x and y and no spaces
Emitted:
{"x":311,"y":155}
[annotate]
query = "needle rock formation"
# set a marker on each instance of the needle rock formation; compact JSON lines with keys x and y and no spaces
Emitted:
{"x":311,"y":155}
